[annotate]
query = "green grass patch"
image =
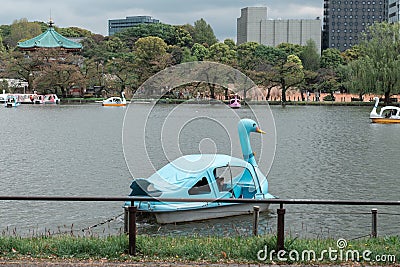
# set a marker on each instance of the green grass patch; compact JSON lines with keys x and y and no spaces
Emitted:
{"x":201,"y":249}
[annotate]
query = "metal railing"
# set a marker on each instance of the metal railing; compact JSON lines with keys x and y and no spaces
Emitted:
{"x":131,"y":210}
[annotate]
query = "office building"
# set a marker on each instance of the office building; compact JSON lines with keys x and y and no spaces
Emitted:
{"x":254,"y":26}
{"x":346,"y":20}
{"x":116,"y":25}
{"x":394,"y":11}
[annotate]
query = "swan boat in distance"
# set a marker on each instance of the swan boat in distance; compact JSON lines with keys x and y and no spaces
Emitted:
{"x":207,"y":176}
{"x":12,"y":101}
{"x":51,"y":99}
{"x":115,"y":101}
{"x":235,"y":102}
{"x":388,"y":114}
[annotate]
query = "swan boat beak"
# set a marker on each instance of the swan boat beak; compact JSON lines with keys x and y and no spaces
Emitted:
{"x":258,"y":130}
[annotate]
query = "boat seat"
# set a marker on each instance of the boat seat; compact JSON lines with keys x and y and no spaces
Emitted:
{"x":248,"y":191}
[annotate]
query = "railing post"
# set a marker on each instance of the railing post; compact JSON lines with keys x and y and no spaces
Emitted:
{"x":256,"y":212}
{"x":374,"y":231}
{"x":126,"y":220}
{"x":132,"y":230}
{"x":280,"y":243}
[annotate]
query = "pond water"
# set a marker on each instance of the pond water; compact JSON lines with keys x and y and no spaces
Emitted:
{"x":311,"y":152}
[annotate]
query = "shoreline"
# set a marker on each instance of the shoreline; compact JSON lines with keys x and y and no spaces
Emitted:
{"x":215,"y":102}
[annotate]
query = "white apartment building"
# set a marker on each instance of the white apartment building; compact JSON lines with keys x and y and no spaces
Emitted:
{"x":254,"y":26}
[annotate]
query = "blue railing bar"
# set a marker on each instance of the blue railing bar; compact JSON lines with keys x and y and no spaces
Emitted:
{"x":220,"y":200}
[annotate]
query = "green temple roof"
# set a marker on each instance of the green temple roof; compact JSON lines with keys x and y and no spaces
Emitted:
{"x":49,"y":39}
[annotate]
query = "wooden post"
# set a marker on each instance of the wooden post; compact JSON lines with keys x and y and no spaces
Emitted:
{"x":374,"y":231}
{"x":280,"y":243}
{"x":256,"y":212}
{"x":132,"y":230}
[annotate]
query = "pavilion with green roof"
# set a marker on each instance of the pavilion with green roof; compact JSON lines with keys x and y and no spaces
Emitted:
{"x":50,"y":39}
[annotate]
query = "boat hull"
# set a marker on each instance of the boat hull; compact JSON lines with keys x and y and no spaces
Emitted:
{"x":385,"y":120}
{"x":234,"y":106}
{"x":11,"y":105}
{"x":113,"y":105}
{"x":191,"y":215}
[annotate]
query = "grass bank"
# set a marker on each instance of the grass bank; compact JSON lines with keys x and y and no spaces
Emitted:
{"x":201,"y":249}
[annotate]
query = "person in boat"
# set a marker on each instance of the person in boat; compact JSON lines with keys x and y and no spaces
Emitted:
{"x":220,"y":183}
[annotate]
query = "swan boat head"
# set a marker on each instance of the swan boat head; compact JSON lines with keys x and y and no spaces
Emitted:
{"x":373,"y":113}
{"x":245,"y":127}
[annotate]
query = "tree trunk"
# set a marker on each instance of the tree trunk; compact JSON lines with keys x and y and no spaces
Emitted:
{"x":212,"y":91}
{"x":387,"y":97}
{"x":283,"y":91}
{"x":268,"y":93}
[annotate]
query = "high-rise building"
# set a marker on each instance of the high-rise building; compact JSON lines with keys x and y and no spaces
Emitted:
{"x":253,"y":26}
{"x":346,"y":20}
{"x":116,"y":25}
{"x":394,"y":12}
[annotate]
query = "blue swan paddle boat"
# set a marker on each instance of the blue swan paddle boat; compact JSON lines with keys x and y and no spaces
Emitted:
{"x":204,"y":176}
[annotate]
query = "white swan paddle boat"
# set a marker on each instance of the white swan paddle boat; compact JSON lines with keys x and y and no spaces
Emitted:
{"x":115,"y":101}
{"x":388,"y":114}
{"x":205,"y":176}
{"x":51,"y":99}
{"x":38,"y":99}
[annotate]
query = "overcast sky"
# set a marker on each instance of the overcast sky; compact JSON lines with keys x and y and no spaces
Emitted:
{"x":94,"y":14}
